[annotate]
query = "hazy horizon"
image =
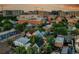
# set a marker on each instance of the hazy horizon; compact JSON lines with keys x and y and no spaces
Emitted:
{"x":46,"y":7}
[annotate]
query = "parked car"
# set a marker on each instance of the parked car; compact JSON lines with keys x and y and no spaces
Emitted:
{"x":77,"y":45}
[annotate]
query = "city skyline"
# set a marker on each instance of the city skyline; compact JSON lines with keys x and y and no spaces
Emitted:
{"x":45,"y":7}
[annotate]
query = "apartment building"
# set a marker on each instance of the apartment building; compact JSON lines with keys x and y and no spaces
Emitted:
{"x":12,"y":12}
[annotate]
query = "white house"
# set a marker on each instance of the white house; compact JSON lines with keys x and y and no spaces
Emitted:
{"x":59,"y":40}
{"x":23,"y":41}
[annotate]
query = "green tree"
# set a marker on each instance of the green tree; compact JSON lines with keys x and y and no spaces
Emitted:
{"x":0,"y":30}
{"x":49,"y":49}
{"x":14,"y":18}
{"x":77,"y":25}
{"x":35,"y":50}
{"x":60,"y":28}
{"x":7,"y":25}
{"x":1,"y":18}
{"x":20,"y":50}
{"x":46,"y":49}
{"x":0,"y":24}
{"x":34,"y":39}
{"x":50,"y":39}
{"x":29,"y":50}
{"x":20,"y":27}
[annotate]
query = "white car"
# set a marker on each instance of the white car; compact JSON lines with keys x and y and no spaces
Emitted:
{"x":77,"y":45}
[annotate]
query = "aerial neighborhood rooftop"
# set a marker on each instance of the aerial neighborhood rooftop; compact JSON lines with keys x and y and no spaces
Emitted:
{"x":39,"y":32}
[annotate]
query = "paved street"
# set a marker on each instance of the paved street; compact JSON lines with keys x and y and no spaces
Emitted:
{"x":4,"y":48}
